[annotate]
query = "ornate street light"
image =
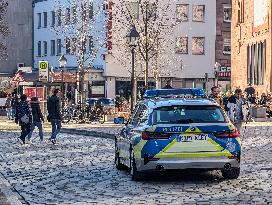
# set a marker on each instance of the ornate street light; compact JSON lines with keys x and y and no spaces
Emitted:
{"x":62,"y":63}
{"x":216,"y":69}
{"x":132,"y":39}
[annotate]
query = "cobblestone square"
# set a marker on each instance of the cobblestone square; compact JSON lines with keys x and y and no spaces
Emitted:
{"x":80,"y":170}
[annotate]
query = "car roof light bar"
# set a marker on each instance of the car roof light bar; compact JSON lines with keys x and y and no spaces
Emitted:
{"x":174,"y":93}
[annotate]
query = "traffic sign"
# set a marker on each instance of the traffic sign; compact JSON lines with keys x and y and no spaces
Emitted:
{"x":43,"y":71}
{"x":18,"y":77}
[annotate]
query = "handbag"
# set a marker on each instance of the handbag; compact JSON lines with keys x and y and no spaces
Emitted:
{"x":25,"y":119}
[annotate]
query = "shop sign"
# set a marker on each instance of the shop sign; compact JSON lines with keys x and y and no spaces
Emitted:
{"x":97,"y":90}
{"x":68,"y":77}
{"x":223,"y":72}
{"x":43,"y":71}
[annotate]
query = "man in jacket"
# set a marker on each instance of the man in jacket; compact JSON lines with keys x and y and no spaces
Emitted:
{"x":37,"y":118}
{"x":8,"y":107}
{"x":14,"y":103}
{"x":23,"y":116}
{"x":54,"y":114}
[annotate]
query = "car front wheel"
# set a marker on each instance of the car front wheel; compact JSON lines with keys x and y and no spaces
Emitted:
{"x":232,"y":173}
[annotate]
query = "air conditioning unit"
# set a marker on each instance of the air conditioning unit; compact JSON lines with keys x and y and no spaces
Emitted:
{"x":19,"y":65}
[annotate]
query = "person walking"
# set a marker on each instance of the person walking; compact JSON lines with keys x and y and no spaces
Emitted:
{"x":8,"y":107}
{"x":14,"y":103}
{"x":236,"y":112}
{"x":23,"y":116}
{"x":216,"y":95}
{"x":168,"y":85}
{"x":37,"y":119}
{"x":54,"y":114}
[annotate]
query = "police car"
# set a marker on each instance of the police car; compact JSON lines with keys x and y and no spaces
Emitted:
{"x":178,"y":129}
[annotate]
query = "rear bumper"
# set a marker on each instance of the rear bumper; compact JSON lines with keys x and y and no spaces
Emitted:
{"x":216,"y":163}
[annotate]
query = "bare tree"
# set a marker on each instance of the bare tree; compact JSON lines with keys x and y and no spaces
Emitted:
{"x":81,"y":24}
{"x":4,"y":30}
{"x":155,"y":21}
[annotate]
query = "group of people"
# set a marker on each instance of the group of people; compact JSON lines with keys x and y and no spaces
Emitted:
{"x":29,"y":116}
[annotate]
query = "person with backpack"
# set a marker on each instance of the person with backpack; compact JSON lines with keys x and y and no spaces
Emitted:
{"x":54,"y":114}
{"x":37,"y":119}
{"x":23,"y":116}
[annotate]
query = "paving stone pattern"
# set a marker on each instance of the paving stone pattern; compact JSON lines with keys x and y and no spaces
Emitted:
{"x":80,"y":171}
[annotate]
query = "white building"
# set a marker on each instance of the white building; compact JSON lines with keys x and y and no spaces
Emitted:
{"x":57,"y":25}
{"x":191,"y":45}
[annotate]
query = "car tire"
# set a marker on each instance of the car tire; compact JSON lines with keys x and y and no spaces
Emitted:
{"x":135,"y":175}
{"x":232,"y":173}
{"x":117,"y":161}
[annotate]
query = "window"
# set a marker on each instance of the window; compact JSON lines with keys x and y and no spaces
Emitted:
{"x":227,"y":13}
{"x":67,"y":16}
{"x":133,"y":9}
{"x":53,"y":17}
{"x":187,"y":114}
{"x":198,"y":45}
{"x":39,"y":20}
{"x":68,"y":46}
{"x":39,"y":48}
{"x":58,"y":47}
{"x":182,"y":45}
{"x":53,"y":47}
{"x":91,"y":10}
{"x":199,"y":13}
{"x":45,"y":48}
{"x":74,"y":14}
{"x":44,"y":19}
{"x":182,"y":12}
{"x":59,"y":17}
{"x":227,"y":47}
{"x":91,"y":44}
{"x":256,"y":63}
{"x":241,"y":10}
{"x":74,"y":46}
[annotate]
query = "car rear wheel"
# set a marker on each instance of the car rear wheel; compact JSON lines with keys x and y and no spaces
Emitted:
{"x":117,"y":161}
{"x":232,"y":173}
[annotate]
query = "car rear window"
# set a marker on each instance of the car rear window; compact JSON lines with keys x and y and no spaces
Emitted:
{"x":188,"y":114}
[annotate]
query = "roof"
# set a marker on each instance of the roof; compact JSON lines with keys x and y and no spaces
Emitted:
{"x":155,"y":103}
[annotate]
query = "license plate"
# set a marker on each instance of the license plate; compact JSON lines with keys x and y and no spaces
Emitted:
{"x":190,"y":137}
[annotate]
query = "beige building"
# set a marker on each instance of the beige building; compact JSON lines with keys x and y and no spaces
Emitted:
{"x":251,"y":45}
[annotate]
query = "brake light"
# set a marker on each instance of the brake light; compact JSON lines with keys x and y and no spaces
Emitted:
{"x":229,"y":134}
{"x":153,"y":135}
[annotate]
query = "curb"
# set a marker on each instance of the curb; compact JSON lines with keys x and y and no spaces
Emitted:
{"x":87,"y":133}
{"x":9,"y":195}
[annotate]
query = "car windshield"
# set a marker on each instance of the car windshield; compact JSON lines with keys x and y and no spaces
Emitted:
{"x":105,"y":101}
{"x":187,"y":114}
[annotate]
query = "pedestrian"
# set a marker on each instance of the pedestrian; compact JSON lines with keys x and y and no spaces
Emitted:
{"x":23,"y":116}
{"x":14,"y":103}
{"x":8,"y":107}
{"x":168,"y":85}
{"x":54,"y":115}
{"x":236,"y":105}
{"x":215,"y":95}
{"x":37,"y":117}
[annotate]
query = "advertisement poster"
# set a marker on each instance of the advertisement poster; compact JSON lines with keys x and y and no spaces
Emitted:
{"x":260,"y":21}
{"x":31,"y":92}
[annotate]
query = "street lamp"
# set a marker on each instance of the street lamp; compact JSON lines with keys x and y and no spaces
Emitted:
{"x":62,"y":63}
{"x":132,"y":38}
{"x":216,"y":69}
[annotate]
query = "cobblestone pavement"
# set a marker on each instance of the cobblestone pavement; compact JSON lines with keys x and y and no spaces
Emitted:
{"x":80,"y":171}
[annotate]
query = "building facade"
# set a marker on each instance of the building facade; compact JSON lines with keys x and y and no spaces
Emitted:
{"x":19,"y":39}
{"x":190,"y":46}
{"x":223,"y":43}
{"x":77,"y":30}
{"x":251,"y":45}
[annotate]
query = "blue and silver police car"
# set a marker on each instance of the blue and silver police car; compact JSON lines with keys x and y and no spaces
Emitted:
{"x":178,"y":129}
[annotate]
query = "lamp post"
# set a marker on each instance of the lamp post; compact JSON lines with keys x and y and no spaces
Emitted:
{"x":62,"y":63}
{"x":216,"y":69}
{"x":132,"y":38}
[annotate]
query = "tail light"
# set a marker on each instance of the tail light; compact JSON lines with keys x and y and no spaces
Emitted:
{"x":229,"y":134}
{"x":154,"y":135}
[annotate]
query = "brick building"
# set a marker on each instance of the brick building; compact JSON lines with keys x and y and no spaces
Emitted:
{"x":251,"y":44}
{"x":223,"y":42}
